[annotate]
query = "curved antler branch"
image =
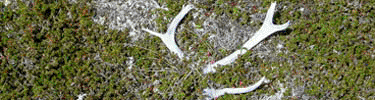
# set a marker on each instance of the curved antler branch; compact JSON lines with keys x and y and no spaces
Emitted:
{"x":267,"y":29}
{"x":168,"y":38}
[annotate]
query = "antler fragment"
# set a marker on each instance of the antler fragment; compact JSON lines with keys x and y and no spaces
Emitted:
{"x":214,"y":93}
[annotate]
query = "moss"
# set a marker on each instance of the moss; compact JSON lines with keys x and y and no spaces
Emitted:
{"x":46,"y":29}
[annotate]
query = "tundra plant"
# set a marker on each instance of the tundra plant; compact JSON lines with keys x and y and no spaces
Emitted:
{"x":267,"y":29}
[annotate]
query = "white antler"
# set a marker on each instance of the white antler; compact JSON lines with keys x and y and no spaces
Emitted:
{"x":267,"y":29}
{"x":168,"y":38}
{"x":213,"y":93}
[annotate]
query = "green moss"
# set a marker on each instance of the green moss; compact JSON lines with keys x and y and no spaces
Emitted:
{"x":63,"y":41}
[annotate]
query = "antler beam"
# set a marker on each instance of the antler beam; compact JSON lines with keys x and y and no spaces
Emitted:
{"x":168,"y":38}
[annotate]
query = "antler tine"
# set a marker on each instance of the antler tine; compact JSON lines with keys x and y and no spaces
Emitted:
{"x":267,"y":29}
{"x":153,"y":33}
{"x":268,"y":20}
{"x":172,"y":28}
{"x":169,"y":38}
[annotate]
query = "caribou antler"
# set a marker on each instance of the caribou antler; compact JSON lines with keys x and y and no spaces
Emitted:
{"x":267,"y":29}
{"x":168,"y":38}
